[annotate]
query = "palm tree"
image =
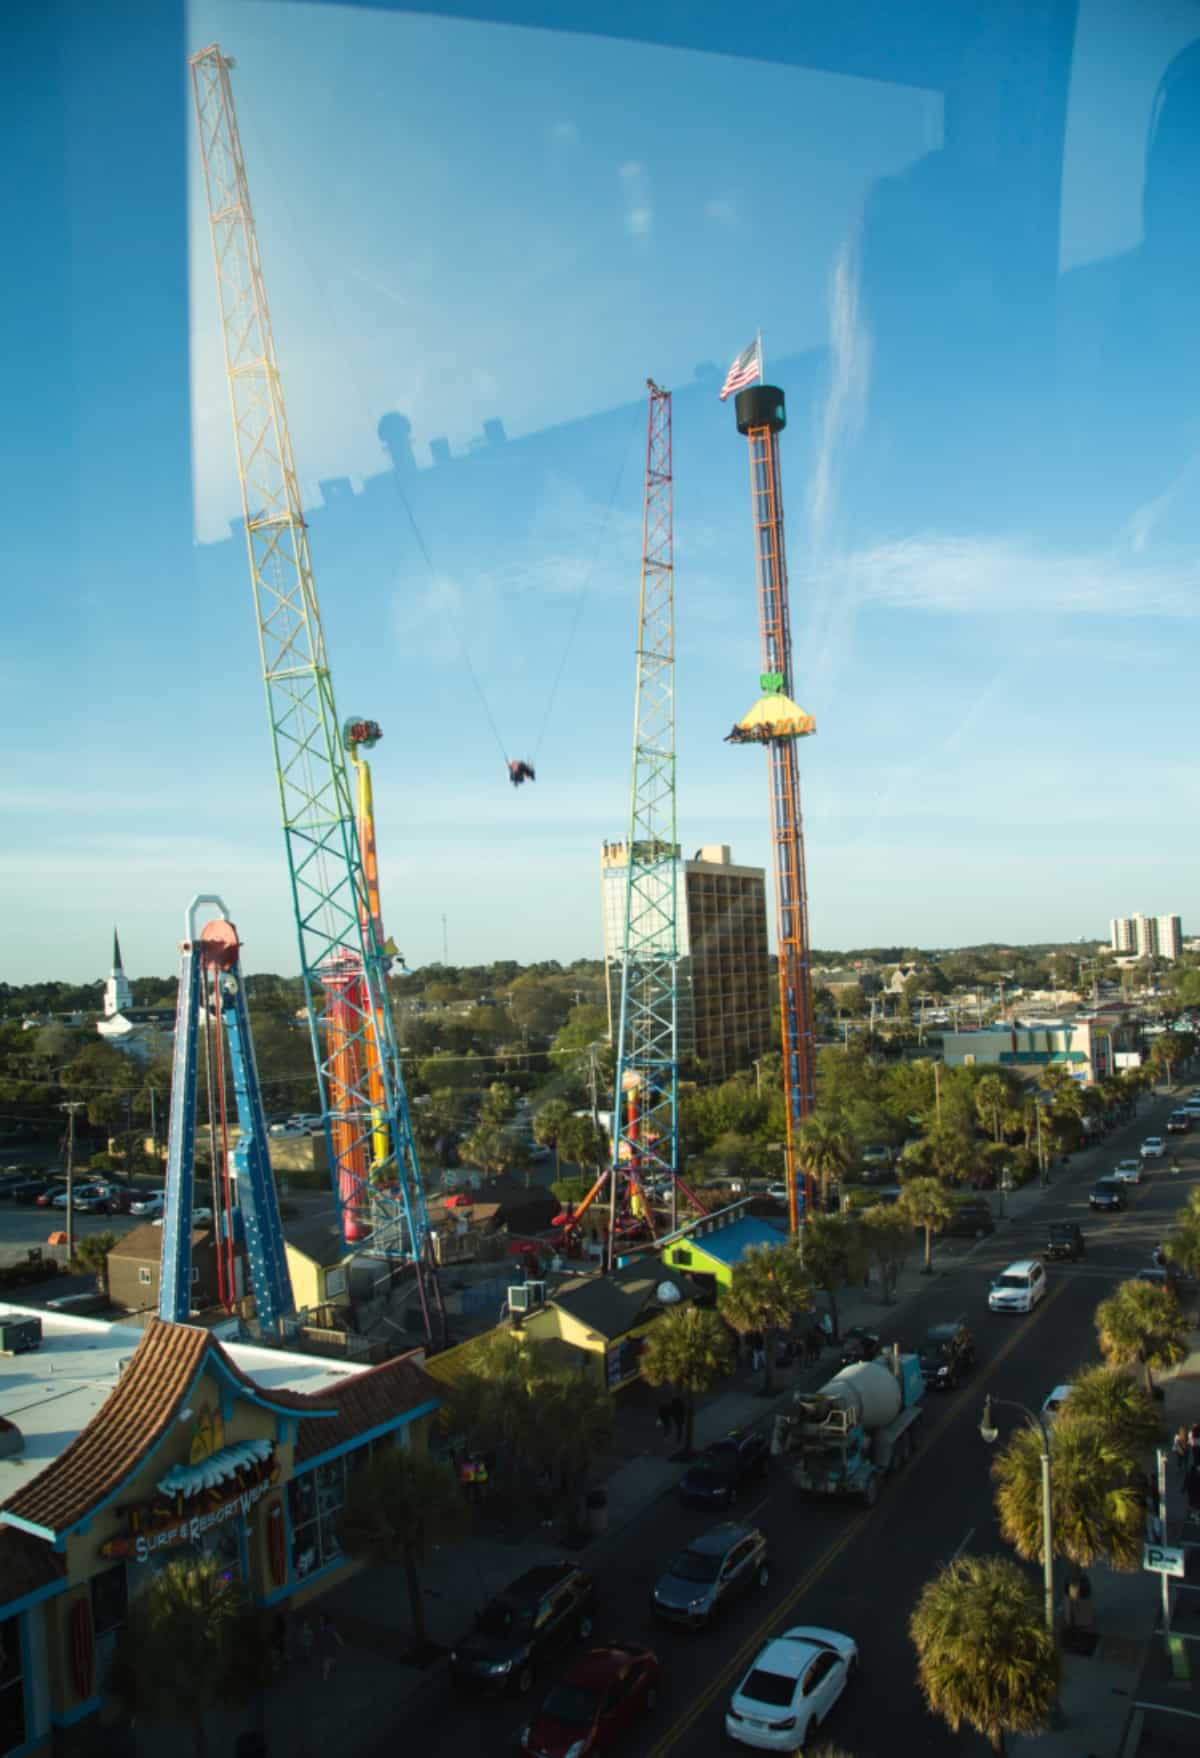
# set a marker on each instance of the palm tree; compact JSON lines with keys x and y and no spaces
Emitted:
{"x":1142,"y":1325}
{"x":984,"y":1655}
{"x":91,"y":1258}
{"x":548,"y":1127}
{"x":1095,"y":1491}
{"x":1110,"y":1399}
{"x":992,"y":1099}
{"x":689,"y":1348}
{"x":1182,"y":1245}
{"x":765,"y":1290}
{"x":399,"y":1504}
{"x":925,"y":1202}
{"x":823,"y":1150}
{"x":835,"y":1255}
{"x":189,"y":1644}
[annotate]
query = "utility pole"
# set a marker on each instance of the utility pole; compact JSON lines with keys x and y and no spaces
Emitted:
{"x":445,"y":944}
{"x":70,"y":1108}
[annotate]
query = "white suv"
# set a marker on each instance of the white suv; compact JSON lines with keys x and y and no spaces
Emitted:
{"x":1020,"y":1287}
{"x":1153,"y":1148}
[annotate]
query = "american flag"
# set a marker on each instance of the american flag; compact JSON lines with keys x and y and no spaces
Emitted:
{"x":745,"y":369}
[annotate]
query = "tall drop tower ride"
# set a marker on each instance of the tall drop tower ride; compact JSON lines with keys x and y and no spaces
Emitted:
{"x":776,"y":722}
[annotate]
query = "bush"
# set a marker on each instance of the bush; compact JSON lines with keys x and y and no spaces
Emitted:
{"x":571,"y":1190}
{"x":104,"y":1163}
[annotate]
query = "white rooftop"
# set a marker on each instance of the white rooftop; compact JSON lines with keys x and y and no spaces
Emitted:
{"x":53,"y":1392}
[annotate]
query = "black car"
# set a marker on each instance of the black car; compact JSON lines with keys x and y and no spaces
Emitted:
{"x":1064,"y":1242}
{"x":718,"y":1476}
{"x":26,"y":1190}
{"x":972,"y":1220}
{"x":1108,"y":1193}
{"x":859,"y":1343}
{"x":947,"y":1355}
{"x":548,"y":1608}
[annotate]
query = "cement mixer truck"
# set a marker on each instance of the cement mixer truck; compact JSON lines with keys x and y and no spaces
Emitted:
{"x":863,"y":1424}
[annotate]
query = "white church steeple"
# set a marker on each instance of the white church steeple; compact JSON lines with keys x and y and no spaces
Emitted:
{"x":117,"y":993}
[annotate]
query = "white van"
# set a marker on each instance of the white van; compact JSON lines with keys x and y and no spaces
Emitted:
{"x":1020,"y":1287}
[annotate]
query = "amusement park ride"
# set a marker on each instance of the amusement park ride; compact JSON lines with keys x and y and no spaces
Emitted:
{"x":776,"y":722}
{"x":246,"y":1222}
{"x":645,"y":1132}
{"x":330,"y":849}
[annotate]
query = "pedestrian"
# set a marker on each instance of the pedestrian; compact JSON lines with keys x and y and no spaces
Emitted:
{"x":544,"y":1497}
{"x":329,"y":1640}
{"x":757,"y":1351}
{"x":1181,"y":1446}
{"x":678,"y":1417}
{"x":664,"y":1420}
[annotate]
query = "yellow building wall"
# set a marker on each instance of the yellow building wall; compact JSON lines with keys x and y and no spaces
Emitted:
{"x":308,"y":1279}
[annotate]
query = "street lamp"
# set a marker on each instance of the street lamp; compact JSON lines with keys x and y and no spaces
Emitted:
{"x":991,"y":1434}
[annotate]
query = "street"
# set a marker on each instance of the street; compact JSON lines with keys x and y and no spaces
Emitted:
{"x":835,"y":1564}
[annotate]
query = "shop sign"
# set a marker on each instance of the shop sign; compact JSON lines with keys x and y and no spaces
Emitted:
{"x":155,"y":1526}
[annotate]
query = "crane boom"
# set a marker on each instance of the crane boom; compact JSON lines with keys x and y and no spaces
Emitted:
{"x":343,"y":965}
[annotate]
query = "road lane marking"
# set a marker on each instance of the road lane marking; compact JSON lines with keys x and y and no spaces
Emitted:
{"x":963,"y":1545}
{"x":754,"y":1512}
{"x":740,"y":1659}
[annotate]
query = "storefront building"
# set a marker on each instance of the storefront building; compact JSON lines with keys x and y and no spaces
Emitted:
{"x":122,"y":1449}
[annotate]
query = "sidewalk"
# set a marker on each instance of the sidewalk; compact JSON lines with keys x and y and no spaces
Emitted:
{"x":307,"y":1719}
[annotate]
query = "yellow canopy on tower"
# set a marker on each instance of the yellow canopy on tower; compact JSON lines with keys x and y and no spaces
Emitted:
{"x":773,"y":716}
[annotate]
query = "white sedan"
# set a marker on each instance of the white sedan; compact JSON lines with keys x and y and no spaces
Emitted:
{"x":1128,"y":1171}
{"x":778,"y":1193}
{"x":790,"y":1689}
{"x":150,"y":1204}
{"x":1153,"y":1148}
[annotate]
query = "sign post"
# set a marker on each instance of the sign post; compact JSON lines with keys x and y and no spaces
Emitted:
{"x":1162,"y":1520}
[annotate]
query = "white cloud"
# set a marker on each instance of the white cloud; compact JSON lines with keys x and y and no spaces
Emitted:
{"x":842,"y":416}
{"x":967,"y":575}
{"x":639,"y":210}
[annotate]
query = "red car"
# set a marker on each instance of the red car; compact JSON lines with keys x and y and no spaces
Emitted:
{"x":590,"y":1709}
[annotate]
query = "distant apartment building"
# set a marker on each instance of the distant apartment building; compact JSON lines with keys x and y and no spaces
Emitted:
{"x":1147,"y":936}
{"x":1089,"y":1049}
{"x":724,"y":964}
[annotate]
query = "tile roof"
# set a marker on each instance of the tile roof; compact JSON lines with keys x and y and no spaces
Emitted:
{"x":366,"y":1402}
{"x":612,"y":1304}
{"x":146,"y":1241}
{"x":27,"y":1563}
{"x":131,"y":1422}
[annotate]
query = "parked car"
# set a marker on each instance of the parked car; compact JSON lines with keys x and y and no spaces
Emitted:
{"x":542,"y":1612}
{"x":1065,"y":1241}
{"x":1054,"y":1401}
{"x":592,"y":1706}
{"x":94,"y":1199}
{"x":1127,"y":1172}
{"x":790,"y":1688}
{"x":201,"y":1217}
{"x":723,"y":1470}
{"x":971,"y":1220}
{"x":82,"y":1196}
{"x":1019,"y":1287}
{"x":1153,"y":1148}
{"x":49,"y":1197}
{"x":947,"y":1355}
{"x":151,"y":1202}
{"x":778,"y":1193}
{"x":714,"y":1570}
{"x":876,"y":1155}
{"x":28,"y":1190}
{"x":1107,"y":1194}
{"x":1179,"y":1122}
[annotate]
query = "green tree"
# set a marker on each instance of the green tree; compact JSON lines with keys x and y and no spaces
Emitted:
{"x":984,"y":1656}
{"x":1095,"y":1492}
{"x":824,"y":1150}
{"x":1182,"y":1244}
{"x":835,"y":1256}
{"x":498,"y":1105}
{"x":766,"y":1288}
{"x":1110,"y":1399}
{"x":189,"y":1644}
{"x":925,"y":1202}
{"x":1142,"y":1325}
{"x":399,"y":1504}
{"x":1168,"y":1051}
{"x":436,"y":1122}
{"x":691,"y":1349}
{"x":548,"y":1126}
{"x":584,"y":1143}
{"x":91,"y":1258}
{"x":888,"y":1237}
{"x":992,"y":1098}
{"x":491,"y":1147}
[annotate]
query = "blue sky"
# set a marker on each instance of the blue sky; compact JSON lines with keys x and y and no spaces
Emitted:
{"x":992,"y":371}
